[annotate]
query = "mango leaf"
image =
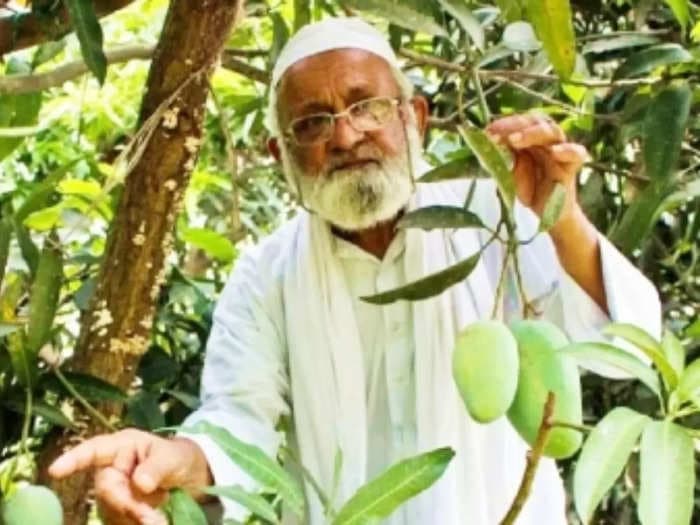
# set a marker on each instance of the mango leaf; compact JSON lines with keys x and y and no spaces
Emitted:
{"x":90,"y":387}
{"x":520,"y":36}
{"x":44,"y":219}
{"x":280,"y":35}
{"x":439,"y":216}
{"x":674,"y":351}
{"x":89,"y":31}
{"x":214,"y":244}
{"x":17,"y":111}
{"x":586,"y":353}
{"x":603,"y":457}
{"x":492,"y":160}
{"x":399,"y":13}
{"x":667,"y":475}
{"x":640,"y":217}
{"x":255,"y":463}
{"x":664,"y":126}
{"x":615,"y":43}
{"x":190,"y":401}
{"x":553,"y":208}
{"x":693,"y":329}
{"x":39,"y":408}
{"x":461,"y":168}
{"x":9,"y":328}
{"x":381,"y":496}
{"x":184,"y":510}
{"x":302,"y":14}
{"x":43,"y":300}
{"x":647,"y":344}
{"x":689,"y":383}
{"x":23,"y":363}
{"x":5,"y":238}
{"x":459,"y":11}
{"x":511,"y":10}
{"x":681,"y":11}
{"x":429,"y":286}
{"x":552,"y":20}
{"x":143,"y":411}
{"x":255,"y":503}
{"x":650,"y":58}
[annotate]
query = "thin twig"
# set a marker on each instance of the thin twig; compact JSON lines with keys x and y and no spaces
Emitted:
{"x":84,"y":402}
{"x":501,"y":282}
{"x":533,"y":459}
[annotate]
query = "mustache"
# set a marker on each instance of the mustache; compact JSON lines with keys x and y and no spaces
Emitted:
{"x":363,"y":155}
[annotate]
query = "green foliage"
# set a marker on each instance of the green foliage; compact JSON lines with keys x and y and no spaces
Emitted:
{"x":89,"y":32}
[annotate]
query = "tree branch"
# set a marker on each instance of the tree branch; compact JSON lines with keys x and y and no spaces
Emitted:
{"x":533,"y":459}
{"x":18,"y":31}
{"x":17,"y":84}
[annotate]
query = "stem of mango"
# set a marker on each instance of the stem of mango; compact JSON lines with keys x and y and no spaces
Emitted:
{"x":533,"y":459}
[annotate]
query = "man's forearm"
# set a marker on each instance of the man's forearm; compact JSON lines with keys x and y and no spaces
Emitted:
{"x":578,"y":249}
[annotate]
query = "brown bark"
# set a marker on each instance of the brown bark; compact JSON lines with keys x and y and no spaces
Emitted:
{"x":115,"y":331}
{"x":26,"y":30}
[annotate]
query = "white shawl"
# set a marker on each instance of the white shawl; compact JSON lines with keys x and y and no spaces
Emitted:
{"x":327,"y":376}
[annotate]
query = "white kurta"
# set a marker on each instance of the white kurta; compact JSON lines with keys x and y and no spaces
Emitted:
{"x":247,"y":385}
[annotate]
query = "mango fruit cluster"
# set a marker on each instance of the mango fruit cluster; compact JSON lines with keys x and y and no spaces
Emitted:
{"x":509,"y":370}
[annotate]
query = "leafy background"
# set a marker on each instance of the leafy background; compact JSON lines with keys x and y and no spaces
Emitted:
{"x":473,"y":61}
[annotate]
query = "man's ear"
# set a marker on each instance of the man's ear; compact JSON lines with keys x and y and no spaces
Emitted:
{"x":274,"y":148}
{"x":422,"y":112}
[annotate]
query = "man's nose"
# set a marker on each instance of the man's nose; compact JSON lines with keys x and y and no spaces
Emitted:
{"x":345,"y":137}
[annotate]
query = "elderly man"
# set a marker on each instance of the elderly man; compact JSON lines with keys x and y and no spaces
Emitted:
{"x":292,"y":340}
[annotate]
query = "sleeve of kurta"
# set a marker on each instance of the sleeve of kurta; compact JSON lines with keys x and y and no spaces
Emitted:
{"x":631,"y":297}
{"x":244,"y":381}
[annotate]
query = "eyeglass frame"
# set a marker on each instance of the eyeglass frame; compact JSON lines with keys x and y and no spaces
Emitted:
{"x":396,"y":102}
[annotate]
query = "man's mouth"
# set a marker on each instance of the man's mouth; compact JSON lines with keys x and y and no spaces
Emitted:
{"x":356,"y":163}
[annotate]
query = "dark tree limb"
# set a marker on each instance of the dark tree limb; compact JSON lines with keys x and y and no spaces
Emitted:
{"x":28,"y":29}
{"x":115,"y":330}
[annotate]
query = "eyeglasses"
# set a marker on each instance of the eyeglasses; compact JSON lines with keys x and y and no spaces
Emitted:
{"x":365,"y":115}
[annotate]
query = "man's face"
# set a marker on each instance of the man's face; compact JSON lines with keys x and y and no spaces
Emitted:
{"x":355,"y":178}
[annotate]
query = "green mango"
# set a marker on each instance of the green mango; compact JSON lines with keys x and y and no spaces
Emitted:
{"x":485,"y":369}
{"x":544,"y":369}
{"x":33,"y":504}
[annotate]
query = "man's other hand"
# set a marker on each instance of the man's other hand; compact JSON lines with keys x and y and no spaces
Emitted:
{"x":134,"y":471}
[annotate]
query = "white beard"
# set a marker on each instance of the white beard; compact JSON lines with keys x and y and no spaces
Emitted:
{"x":359,"y":198}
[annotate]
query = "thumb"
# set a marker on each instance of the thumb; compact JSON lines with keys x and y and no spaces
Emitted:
{"x":161,"y":468}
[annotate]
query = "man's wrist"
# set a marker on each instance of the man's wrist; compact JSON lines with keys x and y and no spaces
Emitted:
{"x":199,"y":474}
{"x":573,"y":230}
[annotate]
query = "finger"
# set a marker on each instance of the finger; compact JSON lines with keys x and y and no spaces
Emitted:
{"x":541,"y":133}
{"x":162,"y":467}
{"x":506,"y":125}
{"x":96,"y":452}
{"x":113,"y":490}
{"x":570,"y":153}
{"x":525,"y":175}
{"x":125,"y":460}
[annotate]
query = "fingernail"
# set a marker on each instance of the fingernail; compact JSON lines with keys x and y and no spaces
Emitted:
{"x":515,"y":137}
{"x":493,"y":137}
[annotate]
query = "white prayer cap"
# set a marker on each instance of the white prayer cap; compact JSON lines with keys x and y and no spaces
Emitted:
{"x":332,"y":33}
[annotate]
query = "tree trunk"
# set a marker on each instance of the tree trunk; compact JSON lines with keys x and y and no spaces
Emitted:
{"x":115,"y":330}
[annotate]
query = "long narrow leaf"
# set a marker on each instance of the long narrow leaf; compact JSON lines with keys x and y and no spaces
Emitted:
{"x":89,"y":32}
{"x":586,"y":353}
{"x":667,"y":477}
{"x":492,"y":160}
{"x":604,"y":456}
{"x":381,"y":496}
{"x":429,"y":286}
{"x":553,"y":23}
{"x":439,"y":216}
{"x":647,"y":344}
{"x":255,"y":503}
{"x":255,"y":463}
{"x":184,"y":510}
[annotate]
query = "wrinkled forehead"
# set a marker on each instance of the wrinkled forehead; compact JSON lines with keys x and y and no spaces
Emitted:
{"x":346,"y":74}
